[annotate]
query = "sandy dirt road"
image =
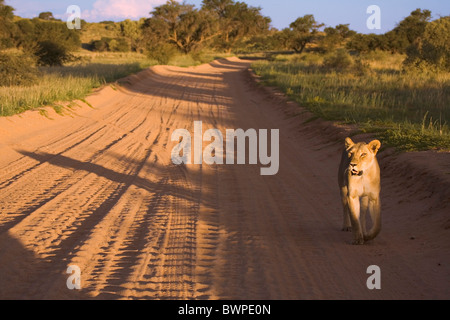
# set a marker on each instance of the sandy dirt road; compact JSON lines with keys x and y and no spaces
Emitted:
{"x":97,"y":189}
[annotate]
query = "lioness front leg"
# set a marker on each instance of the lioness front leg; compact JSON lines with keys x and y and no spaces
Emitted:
{"x":363,"y":213}
{"x":347,"y":225}
{"x":354,"y":208}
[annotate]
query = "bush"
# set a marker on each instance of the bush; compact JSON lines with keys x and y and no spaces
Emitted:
{"x":50,"y":53}
{"x":119,"y":45}
{"x":161,"y":52}
{"x":361,"y":68}
{"x":340,"y":60}
{"x":100,"y":45}
{"x":110,"y":44}
{"x":17,"y":70}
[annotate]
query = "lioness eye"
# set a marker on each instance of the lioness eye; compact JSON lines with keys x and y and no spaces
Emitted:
{"x":363,"y":155}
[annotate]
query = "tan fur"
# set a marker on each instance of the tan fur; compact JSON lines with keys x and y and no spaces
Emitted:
{"x":359,"y":183}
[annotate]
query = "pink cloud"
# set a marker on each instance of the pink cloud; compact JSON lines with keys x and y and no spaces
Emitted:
{"x":120,"y":9}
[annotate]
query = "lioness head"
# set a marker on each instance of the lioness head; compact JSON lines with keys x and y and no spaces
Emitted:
{"x":360,"y":155}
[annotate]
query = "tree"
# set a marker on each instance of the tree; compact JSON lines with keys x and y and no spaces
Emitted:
{"x":180,"y":25}
{"x":344,"y":31}
{"x":236,"y":21}
{"x":359,"y":43}
{"x":367,"y":42}
{"x":302,"y":31}
{"x":331,"y":39}
{"x":46,"y":16}
{"x":132,"y":30}
{"x":7,"y":27}
{"x":50,"y":41}
{"x":218,"y":6}
{"x":54,"y":31}
{"x":408,"y":30}
{"x":283,"y":39}
{"x":432,"y":50}
{"x":6,"y":13}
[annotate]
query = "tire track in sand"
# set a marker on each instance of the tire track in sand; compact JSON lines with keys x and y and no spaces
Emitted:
{"x":99,"y":191}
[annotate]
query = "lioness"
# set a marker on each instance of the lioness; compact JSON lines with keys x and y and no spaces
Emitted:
{"x":359,"y":183}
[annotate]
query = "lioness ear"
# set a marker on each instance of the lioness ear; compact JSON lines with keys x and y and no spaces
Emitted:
{"x":348,"y":143}
{"x":374,"y":146}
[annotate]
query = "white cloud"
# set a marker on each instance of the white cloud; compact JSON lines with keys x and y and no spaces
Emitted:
{"x":120,"y":9}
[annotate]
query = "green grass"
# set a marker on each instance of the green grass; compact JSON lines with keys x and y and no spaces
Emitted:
{"x":57,"y":84}
{"x":410,"y":112}
{"x":77,"y":80}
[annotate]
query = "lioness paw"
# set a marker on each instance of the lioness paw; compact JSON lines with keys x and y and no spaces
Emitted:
{"x":358,"y":241}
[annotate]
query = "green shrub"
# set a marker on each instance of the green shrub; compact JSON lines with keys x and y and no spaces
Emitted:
{"x":110,"y":44}
{"x":161,"y":52}
{"x":119,"y":45}
{"x":361,"y":68}
{"x":100,"y":45}
{"x":339,"y":60}
{"x":51,"y":53}
{"x":17,"y":70}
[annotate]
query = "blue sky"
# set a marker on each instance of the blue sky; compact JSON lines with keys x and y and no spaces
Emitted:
{"x":282,"y":12}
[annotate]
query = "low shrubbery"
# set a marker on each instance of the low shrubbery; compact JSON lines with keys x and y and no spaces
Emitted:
{"x":110,"y":44}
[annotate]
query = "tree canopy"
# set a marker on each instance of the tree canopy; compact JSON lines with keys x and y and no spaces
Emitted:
{"x":220,"y":23}
{"x":236,"y":21}
{"x":46,"y":16}
{"x":180,"y":25}
{"x":6,"y":25}
{"x":432,"y":49}
{"x":301,"y":32}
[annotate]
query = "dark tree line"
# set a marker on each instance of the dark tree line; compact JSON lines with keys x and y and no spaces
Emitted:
{"x":397,"y":40}
{"x":426,"y":43}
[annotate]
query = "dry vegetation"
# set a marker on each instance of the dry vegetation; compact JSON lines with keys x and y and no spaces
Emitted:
{"x":75,"y":80}
{"x":65,"y":83}
{"x":409,"y":111}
